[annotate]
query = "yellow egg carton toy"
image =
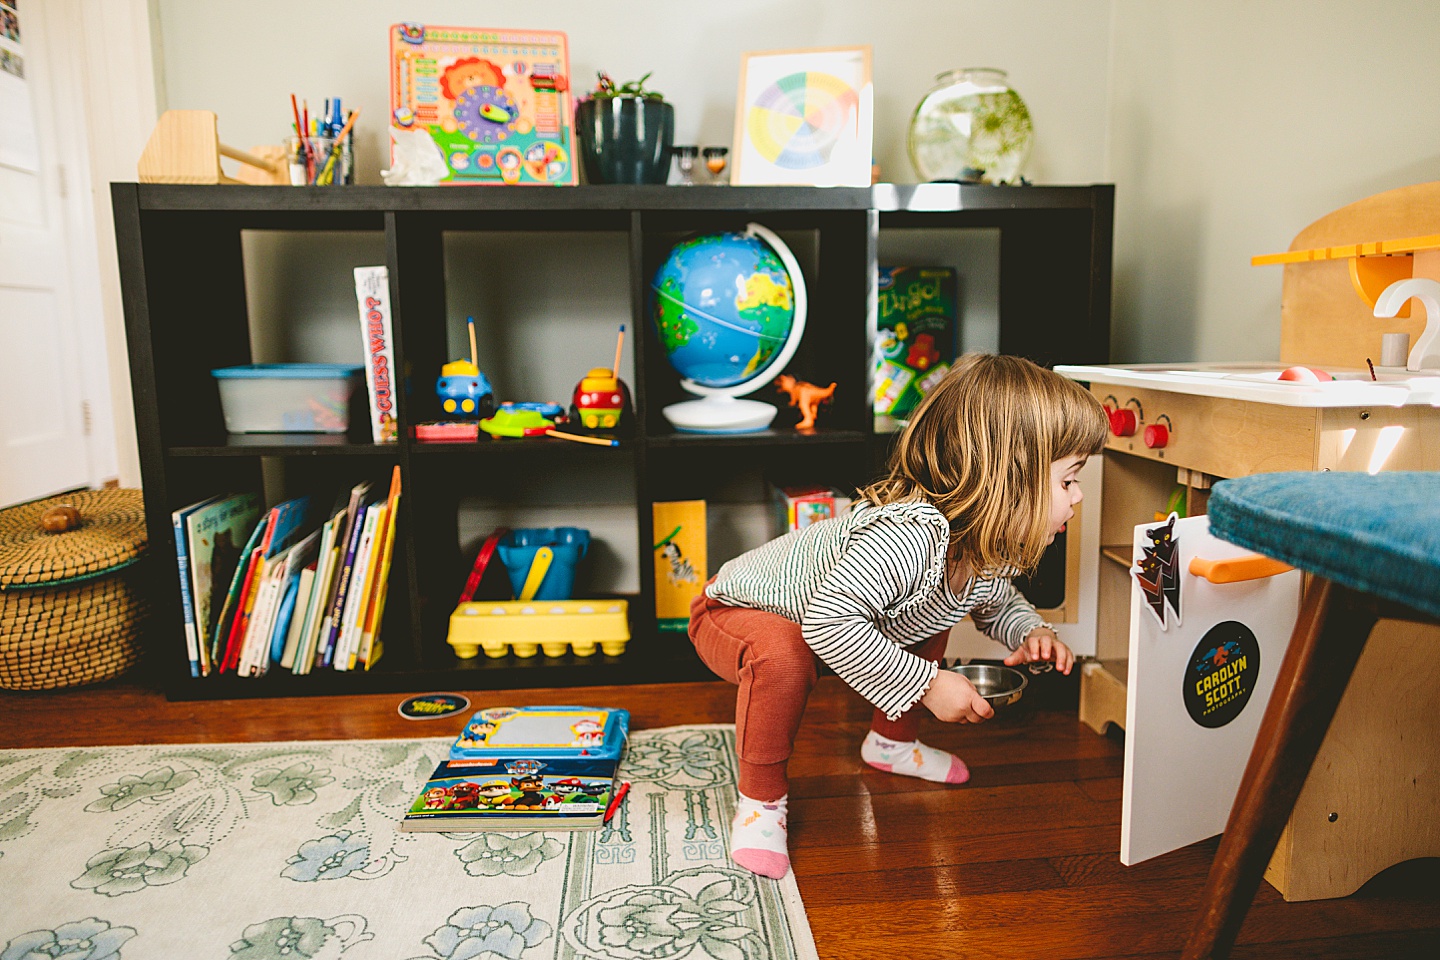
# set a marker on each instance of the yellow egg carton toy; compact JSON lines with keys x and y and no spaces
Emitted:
{"x":528,"y":627}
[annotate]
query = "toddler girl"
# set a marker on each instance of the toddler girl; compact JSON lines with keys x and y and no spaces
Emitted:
{"x":980,"y":482}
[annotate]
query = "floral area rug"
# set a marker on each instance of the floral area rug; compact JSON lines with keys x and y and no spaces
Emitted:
{"x":290,"y":851}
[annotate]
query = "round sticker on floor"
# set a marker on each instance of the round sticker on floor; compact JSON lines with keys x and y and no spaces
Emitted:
{"x":1222,"y":674}
{"x":428,"y":706}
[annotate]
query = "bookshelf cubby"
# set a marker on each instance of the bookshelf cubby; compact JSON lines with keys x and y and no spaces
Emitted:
{"x":548,"y":274}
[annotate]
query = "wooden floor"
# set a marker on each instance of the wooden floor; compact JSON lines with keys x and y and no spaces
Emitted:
{"x":1019,"y":863}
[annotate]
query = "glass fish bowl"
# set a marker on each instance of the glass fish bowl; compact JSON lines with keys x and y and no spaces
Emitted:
{"x":971,"y":126}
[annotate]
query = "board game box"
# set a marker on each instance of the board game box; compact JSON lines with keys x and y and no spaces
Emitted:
{"x":917,"y":335}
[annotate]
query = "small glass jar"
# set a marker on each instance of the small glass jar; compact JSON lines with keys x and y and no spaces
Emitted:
{"x":685,"y":164}
{"x":715,"y":160}
{"x":971,"y":126}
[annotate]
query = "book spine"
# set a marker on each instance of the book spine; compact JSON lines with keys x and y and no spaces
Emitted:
{"x":372,"y":290}
{"x":342,"y":588}
{"x":192,"y":638}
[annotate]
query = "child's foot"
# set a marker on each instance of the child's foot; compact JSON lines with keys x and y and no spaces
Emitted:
{"x":913,"y":759}
{"x":758,"y":837}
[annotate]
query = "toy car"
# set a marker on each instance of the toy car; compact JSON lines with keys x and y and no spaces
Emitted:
{"x":600,"y":400}
{"x":464,"y":391}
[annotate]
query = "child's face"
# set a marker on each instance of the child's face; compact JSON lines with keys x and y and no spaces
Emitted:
{"x":1064,"y":492}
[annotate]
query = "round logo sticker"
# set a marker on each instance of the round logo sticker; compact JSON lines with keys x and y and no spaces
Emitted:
{"x":431,"y":705}
{"x":1222,"y":674}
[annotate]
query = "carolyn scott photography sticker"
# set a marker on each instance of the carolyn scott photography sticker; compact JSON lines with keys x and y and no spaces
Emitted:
{"x":1222,"y":674}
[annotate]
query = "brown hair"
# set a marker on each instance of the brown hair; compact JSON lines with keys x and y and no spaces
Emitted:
{"x":979,"y":447}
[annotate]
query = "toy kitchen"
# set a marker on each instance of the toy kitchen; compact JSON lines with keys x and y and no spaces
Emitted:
{"x":1186,"y":670}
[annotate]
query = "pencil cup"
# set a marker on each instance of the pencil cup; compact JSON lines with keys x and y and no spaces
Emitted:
{"x":327,"y":167}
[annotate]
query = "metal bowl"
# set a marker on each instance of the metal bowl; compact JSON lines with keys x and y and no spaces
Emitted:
{"x":1000,"y":685}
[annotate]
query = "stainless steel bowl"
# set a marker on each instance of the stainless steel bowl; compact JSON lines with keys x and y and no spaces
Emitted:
{"x":1000,"y":685}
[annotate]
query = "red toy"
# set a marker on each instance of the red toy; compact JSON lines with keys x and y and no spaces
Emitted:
{"x":601,"y":397}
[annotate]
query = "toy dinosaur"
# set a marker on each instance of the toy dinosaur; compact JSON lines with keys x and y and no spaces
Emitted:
{"x":806,"y":396}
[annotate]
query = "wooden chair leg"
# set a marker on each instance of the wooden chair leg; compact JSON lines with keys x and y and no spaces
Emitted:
{"x":1331,"y":631}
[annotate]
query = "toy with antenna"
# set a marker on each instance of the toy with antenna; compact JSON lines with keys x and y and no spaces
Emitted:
{"x":464,"y":391}
{"x":602,"y":400}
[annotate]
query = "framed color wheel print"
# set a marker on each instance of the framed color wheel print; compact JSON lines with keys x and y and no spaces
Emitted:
{"x":805,"y":117}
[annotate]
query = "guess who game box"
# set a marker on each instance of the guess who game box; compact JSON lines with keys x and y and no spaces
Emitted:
{"x":916,"y":337}
{"x":495,"y":104}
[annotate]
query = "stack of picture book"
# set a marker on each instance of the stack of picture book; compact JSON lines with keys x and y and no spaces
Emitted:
{"x":286,"y":587}
{"x":532,"y":768}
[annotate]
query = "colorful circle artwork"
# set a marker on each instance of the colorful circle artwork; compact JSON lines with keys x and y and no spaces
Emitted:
{"x":797,"y":120}
{"x":486,"y":114}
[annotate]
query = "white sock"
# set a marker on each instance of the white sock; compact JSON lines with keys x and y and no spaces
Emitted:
{"x":913,"y":759}
{"x":758,"y":837}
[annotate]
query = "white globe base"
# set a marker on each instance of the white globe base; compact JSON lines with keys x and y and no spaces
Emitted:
{"x":720,"y":415}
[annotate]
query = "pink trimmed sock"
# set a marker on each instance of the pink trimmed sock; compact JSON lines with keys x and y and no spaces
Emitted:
{"x":758,"y":839}
{"x":913,"y":759}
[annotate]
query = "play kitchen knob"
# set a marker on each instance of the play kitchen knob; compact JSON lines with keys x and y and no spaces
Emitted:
{"x":1157,"y":434}
{"x":1122,"y":423}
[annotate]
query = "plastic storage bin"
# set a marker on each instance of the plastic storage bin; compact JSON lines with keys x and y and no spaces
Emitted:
{"x":287,"y":397}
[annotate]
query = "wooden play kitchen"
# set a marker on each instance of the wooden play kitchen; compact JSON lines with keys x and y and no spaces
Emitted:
{"x":1372,"y":798}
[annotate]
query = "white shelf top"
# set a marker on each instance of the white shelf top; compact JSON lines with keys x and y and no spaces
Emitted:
{"x":1260,"y":382}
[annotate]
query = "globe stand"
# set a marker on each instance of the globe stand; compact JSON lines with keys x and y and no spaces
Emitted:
{"x":720,"y":415}
{"x":720,"y":409}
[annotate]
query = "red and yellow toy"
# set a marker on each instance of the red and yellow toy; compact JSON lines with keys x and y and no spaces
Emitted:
{"x":601,"y":398}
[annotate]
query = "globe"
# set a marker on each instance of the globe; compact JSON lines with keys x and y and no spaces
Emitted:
{"x":729,"y":309}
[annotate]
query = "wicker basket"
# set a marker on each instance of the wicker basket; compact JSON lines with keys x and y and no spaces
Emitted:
{"x":71,"y":608}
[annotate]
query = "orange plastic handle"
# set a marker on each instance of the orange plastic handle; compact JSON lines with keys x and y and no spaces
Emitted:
{"x":1237,"y":569}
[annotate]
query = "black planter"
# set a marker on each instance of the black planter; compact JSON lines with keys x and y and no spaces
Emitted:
{"x":625,"y":139}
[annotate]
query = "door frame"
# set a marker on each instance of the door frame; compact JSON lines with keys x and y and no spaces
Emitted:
{"x":102,"y":67}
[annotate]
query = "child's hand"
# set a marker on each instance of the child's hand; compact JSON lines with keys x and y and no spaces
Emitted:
{"x":1042,"y":644}
{"x":954,"y":699}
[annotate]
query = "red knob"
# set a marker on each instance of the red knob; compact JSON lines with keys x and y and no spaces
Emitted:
{"x":1122,"y":423}
{"x":1156,"y":436}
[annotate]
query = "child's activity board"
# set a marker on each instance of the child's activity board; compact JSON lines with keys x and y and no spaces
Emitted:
{"x":544,"y":732}
{"x":495,"y":104}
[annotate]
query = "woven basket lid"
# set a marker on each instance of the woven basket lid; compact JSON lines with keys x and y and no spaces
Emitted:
{"x":110,"y":535}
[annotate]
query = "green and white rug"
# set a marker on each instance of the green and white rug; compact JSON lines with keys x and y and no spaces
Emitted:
{"x":289,"y":851}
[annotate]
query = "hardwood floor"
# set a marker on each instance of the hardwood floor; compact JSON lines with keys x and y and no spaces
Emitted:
{"x":1022,"y":862}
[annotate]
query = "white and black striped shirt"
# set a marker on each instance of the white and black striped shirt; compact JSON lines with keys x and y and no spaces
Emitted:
{"x":865,"y":586}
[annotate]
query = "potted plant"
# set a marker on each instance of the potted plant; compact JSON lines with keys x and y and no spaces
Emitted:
{"x":625,"y":133}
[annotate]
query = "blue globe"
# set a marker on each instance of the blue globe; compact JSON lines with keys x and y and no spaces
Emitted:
{"x":724,"y":305}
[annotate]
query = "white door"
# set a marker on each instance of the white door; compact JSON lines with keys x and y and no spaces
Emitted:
{"x":1203,"y":660}
{"x":42,"y":422}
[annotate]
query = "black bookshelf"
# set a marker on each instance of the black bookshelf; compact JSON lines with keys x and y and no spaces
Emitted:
{"x":182,"y":276}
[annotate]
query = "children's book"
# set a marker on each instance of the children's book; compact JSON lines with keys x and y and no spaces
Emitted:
{"x":322,"y":593}
{"x":216,"y":534}
{"x":476,"y":105}
{"x":228,"y":622}
{"x":370,"y":646}
{"x":513,"y":768}
{"x":304,"y":585}
{"x":345,"y":645}
{"x":372,"y":290}
{"x":354,"y":523}
{"x":187,"y":603}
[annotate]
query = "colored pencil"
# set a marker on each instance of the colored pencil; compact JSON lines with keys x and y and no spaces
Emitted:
{"x":598,"y":441}
{"x":327,"y":175}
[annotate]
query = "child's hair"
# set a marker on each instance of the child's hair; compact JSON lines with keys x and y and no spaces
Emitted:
{"x":979,"y":447}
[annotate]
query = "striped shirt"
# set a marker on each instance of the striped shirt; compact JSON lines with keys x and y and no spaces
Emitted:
{"x":865,"y":586}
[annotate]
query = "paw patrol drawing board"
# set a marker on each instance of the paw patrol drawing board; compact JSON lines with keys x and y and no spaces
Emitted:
{"x":495,"y":104}
{"x":598,"y":732}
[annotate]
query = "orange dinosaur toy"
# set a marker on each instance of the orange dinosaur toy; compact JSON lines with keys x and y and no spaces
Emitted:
{"x":806,"y":396}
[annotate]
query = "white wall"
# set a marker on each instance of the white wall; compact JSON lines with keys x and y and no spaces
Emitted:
{"x":1233,"y":126}
{"x":1226,"y":126}
{"x":243,"y":60}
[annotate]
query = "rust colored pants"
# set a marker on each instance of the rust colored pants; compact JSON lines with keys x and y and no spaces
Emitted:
{"x":775,"y":669}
